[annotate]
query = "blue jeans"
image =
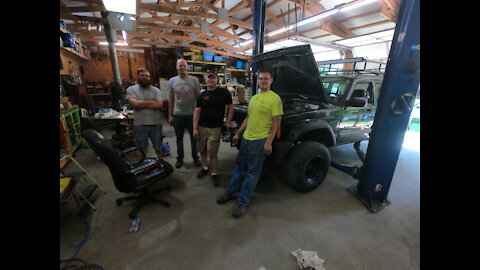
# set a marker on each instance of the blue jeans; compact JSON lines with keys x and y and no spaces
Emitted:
{"x":248,"y":170}
{"x":180,"y":123}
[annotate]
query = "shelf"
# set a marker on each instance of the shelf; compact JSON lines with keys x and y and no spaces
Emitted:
{"x":235,"y":69}
{"x":201,"y":73}
{"x":71,"y":50}
{"x":207,"y":63}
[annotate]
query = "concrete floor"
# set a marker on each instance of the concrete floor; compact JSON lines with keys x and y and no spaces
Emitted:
{"x":196,"y":233}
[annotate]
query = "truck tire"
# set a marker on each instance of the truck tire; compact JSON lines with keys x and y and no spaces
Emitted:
{"x":307,"y":165}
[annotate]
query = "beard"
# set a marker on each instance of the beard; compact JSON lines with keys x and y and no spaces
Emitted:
{"x":144,"y":83}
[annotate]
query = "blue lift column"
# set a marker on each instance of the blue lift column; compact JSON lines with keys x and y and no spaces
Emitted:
{"x":259,"y":10}
{"x":400,"y":85}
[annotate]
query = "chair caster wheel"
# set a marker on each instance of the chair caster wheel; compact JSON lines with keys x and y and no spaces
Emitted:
{"x":119,"y":202}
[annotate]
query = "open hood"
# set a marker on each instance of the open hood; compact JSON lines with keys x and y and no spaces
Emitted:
{"x":295,"y":72}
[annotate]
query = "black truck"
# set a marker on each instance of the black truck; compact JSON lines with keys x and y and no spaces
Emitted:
{"x":319,"y":112}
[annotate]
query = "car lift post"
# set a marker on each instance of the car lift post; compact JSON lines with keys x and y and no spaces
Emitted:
{"x":395,"y":102}
{"x":259,"y":10}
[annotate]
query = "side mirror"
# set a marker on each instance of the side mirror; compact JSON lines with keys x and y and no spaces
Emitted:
{"x":357,"y":99}
{"x":357,"y":102}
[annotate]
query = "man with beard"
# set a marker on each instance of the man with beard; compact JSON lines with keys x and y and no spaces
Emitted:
{"x":146,"y":100}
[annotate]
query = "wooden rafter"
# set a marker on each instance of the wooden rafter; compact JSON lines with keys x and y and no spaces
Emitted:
{"x":203,"y":15}
{"x":198,"y":12}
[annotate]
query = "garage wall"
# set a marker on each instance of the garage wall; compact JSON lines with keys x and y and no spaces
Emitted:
{"x":374,"y":51}
{"x":69,"y":61}
{"x":99,"y":68}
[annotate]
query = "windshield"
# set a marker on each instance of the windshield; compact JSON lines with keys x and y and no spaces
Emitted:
{"x":336,"y":87}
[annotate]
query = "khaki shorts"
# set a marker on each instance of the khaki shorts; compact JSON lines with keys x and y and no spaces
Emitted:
{"x":209,"y":140}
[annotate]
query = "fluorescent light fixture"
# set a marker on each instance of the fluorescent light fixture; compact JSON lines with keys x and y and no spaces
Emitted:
{"x":281,"y":30}
{"x":318,"y":17}
{"x":100,"y":28}
{"x":246,"y":42}
{"x":356,"y":5}
{"x":121,"y":6}
{"x":314,"y":18}
{"x":122,"y":17}
{"x":124,"y":35}
{"x":117,"y":43}
{"x":132,"y":18}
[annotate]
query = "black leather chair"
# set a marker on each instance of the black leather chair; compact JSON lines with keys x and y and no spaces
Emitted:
{"x":130,"y":178}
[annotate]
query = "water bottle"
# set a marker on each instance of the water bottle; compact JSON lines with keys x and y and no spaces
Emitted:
{"x":135,"y":224}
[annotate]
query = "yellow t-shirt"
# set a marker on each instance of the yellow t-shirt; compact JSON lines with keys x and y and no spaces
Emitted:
{"x":261,"y":109}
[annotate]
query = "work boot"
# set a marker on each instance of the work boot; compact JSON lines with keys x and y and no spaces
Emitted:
{"x":239,"y":210}
{"x":216,"y":182}
{"x":202,"y":173}
{"x":197,"y":162}
{"x":179,"y":163}
{"x":225,"y":198}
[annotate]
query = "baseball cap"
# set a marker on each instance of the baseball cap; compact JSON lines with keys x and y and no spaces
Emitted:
{"x":211,"y":74}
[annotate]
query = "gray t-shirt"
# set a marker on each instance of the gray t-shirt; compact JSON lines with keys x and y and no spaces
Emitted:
{"x":184,"y":91}
{"x":145,"y":116}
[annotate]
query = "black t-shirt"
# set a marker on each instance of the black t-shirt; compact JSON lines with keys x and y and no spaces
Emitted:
{"x":213,"y":107}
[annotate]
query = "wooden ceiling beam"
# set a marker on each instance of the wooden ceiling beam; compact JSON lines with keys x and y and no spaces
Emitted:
{"x":82,"y":9}
{"x":328,"y":24}
{"x":241,"y":6}
{"x":203,"y":15}
{"x":179,"y":45}
{"x":181,"y":37}
{"x":215,"y":31}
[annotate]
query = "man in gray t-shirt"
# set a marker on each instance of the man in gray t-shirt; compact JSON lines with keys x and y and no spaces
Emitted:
{"x":184,"y":90}
{"x":146,"y":100}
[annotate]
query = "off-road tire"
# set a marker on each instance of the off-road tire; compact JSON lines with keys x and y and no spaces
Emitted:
{"x":307,"y":165}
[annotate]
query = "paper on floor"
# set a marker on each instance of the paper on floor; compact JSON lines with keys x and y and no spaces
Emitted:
{"x":308,"y":260}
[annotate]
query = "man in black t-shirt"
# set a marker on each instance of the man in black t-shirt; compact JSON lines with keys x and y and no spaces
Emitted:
{"x":208,"y":122}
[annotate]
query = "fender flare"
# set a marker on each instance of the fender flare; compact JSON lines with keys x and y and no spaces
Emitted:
{"x":300,"y":129}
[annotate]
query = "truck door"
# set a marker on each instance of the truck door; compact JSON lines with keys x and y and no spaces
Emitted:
{"x":356,"y":119}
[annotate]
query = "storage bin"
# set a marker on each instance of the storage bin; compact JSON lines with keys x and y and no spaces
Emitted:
{"x":239,"y":64}
{"x":207,"y":54}
{"x":68,"y":40}
{"x":208,"y":58}
{"x":217,"y":59}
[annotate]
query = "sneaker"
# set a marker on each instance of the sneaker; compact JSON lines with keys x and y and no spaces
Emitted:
{"x":197,"y":162}
{"x":225,"y":198}
{"x":179,"y":163}
{"x":202,"y":173}
{"x":216,"y":182}
{"x":239,"y":210}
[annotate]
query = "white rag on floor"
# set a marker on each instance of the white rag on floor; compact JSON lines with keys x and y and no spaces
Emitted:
{"x":308,"y":259}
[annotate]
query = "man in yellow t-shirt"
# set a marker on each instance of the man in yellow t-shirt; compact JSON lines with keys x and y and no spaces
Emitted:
{"x":265,"y":111}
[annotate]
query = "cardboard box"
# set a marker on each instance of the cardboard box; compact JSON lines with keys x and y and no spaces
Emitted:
{"x":241,"y":93}
{"x":197,"y":57}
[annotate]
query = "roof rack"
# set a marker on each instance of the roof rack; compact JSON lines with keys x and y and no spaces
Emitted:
{"x":369,"y":66}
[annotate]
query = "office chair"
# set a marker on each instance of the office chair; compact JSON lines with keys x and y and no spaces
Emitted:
{"x":130,"y":178}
